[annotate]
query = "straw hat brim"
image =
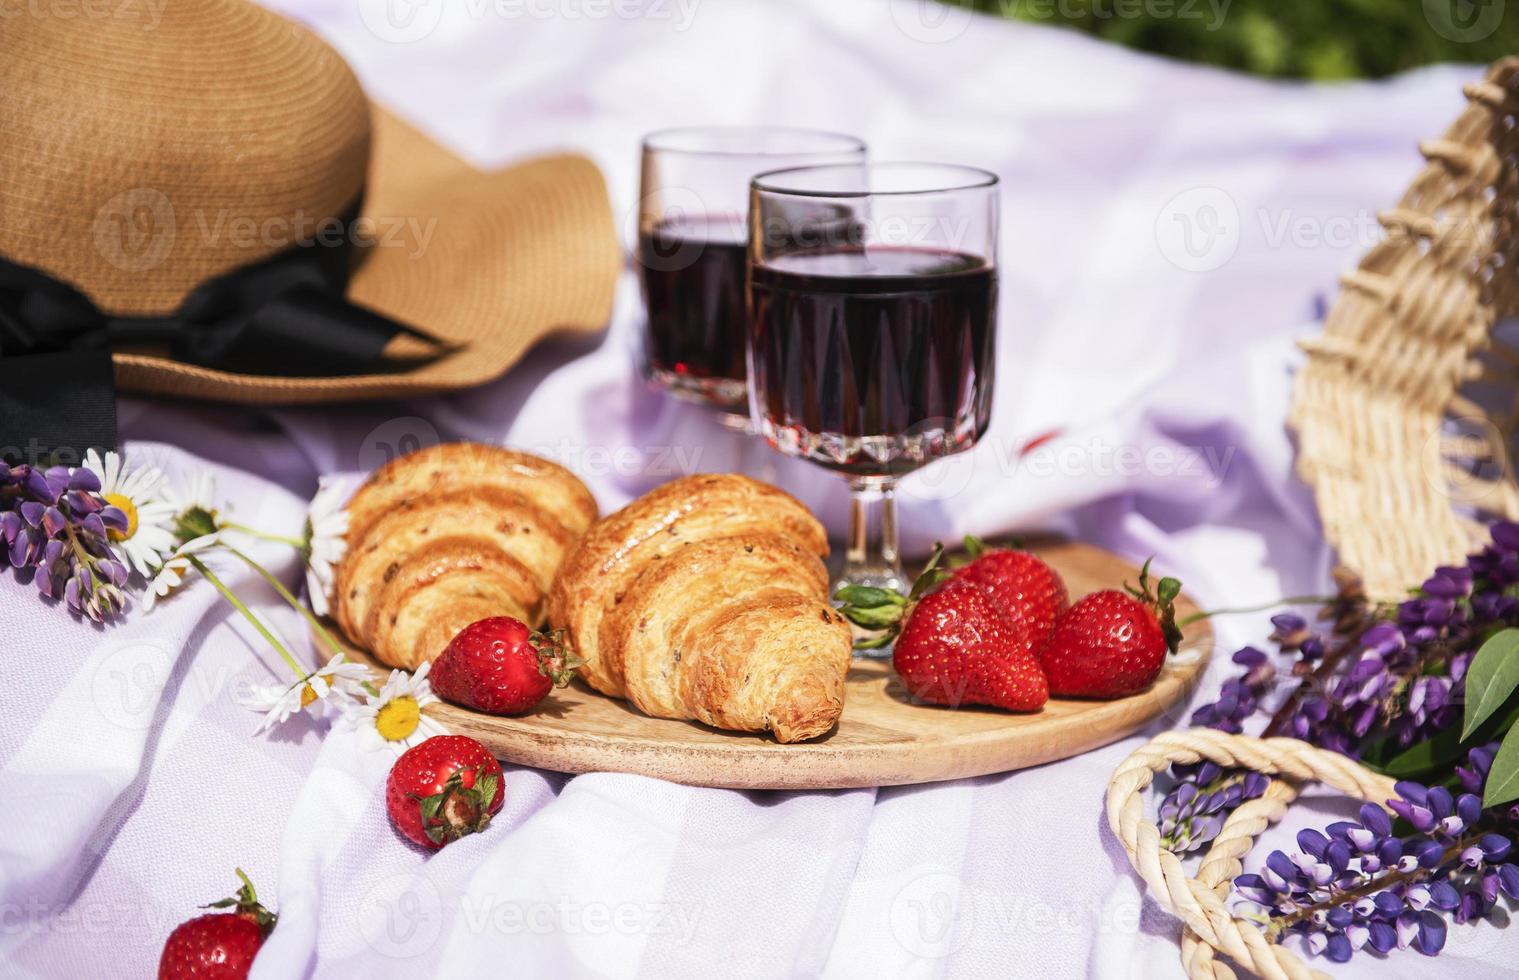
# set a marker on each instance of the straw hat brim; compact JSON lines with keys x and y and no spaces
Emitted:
{"x":491,"y":262}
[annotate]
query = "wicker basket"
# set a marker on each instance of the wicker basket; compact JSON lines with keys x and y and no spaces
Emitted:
{"x":1406,"y":406}
{"x":1405,"y":413}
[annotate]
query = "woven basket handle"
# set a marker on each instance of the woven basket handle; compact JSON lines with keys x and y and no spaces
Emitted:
{"x":1200,"y":901}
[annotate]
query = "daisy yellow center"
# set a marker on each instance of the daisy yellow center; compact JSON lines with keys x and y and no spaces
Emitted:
{"x":308,"y":695}
{"x":398,"y":718}
{"x":128,"y":508}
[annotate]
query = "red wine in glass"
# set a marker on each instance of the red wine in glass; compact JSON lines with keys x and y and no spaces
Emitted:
{"x":692,"y":220}
{"x":873,"y":361}
{"x":693,"y":282}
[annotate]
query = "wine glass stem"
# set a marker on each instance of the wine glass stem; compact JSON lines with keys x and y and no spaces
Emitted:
{"x":872,"y":557}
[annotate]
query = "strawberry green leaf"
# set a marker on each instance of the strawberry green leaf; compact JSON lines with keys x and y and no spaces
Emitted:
{"x":874,"y":642}
{"x":869,"y":596}
{"x":247,"y":904}
{"x":556,"y":657}
{"x":974,"y":546}
{"x":430,"y":807}
{"x":1503,"y":777}
{"x":874,"y":619}
{"x":1167,"y":590}
{"x":1491,"y":679}
{"x":487,"y":788}
{"x":931,"y":575}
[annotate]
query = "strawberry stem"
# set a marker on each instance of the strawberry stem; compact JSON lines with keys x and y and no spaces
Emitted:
{"x":1162,"y":601}
{"x":556,"y":658}
{"x":459,"y":810}
{"x":883,"y":611}
{"x":245,"y":903}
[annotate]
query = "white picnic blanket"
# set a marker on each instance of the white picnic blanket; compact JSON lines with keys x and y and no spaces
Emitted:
{"x":1168,"y":231}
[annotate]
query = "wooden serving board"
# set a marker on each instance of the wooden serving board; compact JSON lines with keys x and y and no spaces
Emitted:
{"x":883,"y":738}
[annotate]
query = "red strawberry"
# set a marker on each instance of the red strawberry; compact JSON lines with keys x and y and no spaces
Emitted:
{"x":1112,"y":644}
{"x":218,"y":945}
{"x":502,"y":667}
{"x":953,"y":645}
{"x":443,"y":789}
{"x":1019,"y":581}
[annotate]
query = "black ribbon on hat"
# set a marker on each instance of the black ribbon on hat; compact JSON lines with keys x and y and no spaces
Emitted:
{"x":286,"y":316}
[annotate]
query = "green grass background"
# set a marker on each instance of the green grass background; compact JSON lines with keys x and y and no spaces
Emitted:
{"x":1313,"y":39}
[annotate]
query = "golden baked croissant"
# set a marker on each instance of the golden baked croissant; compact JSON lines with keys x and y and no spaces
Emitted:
{"x":448,"y":535}
{"x":707,"y":599}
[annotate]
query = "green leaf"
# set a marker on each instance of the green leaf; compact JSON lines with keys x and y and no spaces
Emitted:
{"x":1503,"y":778}
{"x":1436,"y":755}
{"x":974,"y":546}
{"x":931,"y":575}
{"x":1422,"y":757}
{"x":487,"y":789}
{"x":873,"y":619}
{"x":869,"y":596}
{"x":1168,"y":590}
{"x":430,"y":807}
{"x":875,"y":642}
{"x":1492,"y":677}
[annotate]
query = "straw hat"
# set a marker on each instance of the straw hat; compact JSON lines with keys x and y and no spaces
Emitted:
{"x":160,"y":146}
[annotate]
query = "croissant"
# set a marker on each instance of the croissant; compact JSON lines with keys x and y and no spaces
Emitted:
{"x":707,"y":600}
{"x":448,"y":535}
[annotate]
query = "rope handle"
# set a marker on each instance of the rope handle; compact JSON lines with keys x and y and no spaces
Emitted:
{"x":1199,"y":901}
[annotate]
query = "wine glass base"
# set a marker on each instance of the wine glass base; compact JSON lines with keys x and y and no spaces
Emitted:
{"x":729,"y":395}
{"x":736,"y":421}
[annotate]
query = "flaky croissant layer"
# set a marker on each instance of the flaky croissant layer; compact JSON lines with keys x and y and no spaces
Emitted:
{"x":451,"y":534}
{"x":707,"y":600}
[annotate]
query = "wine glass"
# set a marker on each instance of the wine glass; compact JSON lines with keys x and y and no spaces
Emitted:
{"x":691,"y":249}
{"x":872,"y":349}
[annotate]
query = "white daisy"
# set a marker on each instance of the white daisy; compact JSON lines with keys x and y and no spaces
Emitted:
{"x":395,"y":717}
{"x":138,"y":493}
{"x":172,"y":574}
{"x":194,"y":503}
{"x":326,"y":541}
{"x":336,"y":685}
{"x":199,"y":490}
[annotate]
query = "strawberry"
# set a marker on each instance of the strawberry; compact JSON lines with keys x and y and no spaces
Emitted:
{"x":218,"y":945}
{"x":502,"y":667}
{"x":1019,"y":581}
{"x":1112,"y":644}
{"x":954,"y":646}
{"x":443,"y":789}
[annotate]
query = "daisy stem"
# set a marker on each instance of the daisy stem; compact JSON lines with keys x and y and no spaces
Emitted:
{"x":295,"y":543}
{"x":1292,"y":600}
{"x":237,"y":604}
{"x":289,"y":597}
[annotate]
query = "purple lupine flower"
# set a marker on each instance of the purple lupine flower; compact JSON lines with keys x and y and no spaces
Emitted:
{"x":53,"y":522}
{"x":1358,"y":884}
{"x":1195,"y":810}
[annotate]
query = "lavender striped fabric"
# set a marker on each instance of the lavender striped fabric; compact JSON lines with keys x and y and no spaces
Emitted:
{"x":1168,"y":230}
